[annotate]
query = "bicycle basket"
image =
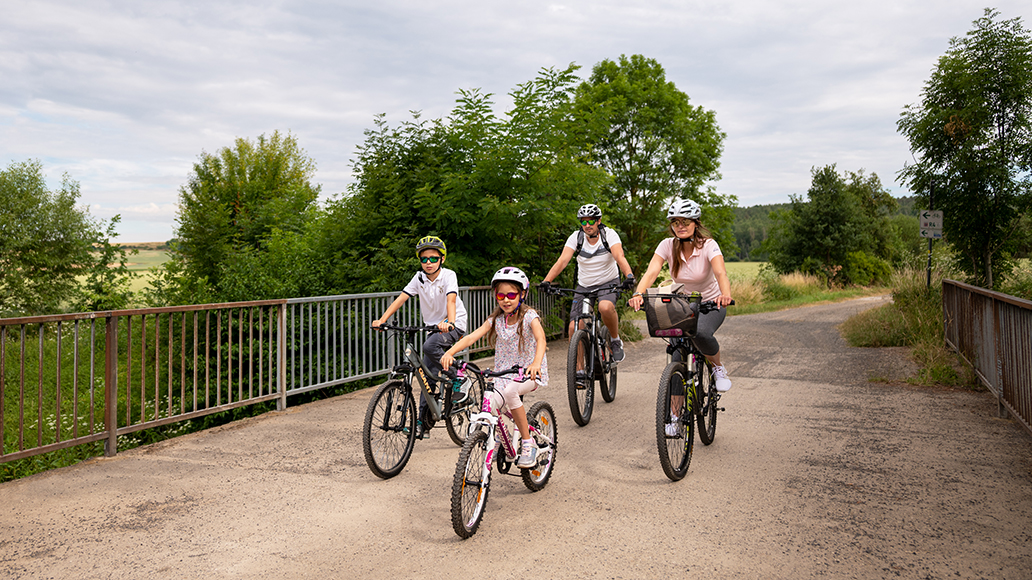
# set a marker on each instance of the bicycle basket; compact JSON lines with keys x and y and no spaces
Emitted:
{"x":671,"y":315}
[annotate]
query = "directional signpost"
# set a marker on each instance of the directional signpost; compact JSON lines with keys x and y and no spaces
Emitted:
{"x":931,"y":224}
{"x":931,"y":228}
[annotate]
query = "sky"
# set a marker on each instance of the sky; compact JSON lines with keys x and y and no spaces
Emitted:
{"x":123,"y":96}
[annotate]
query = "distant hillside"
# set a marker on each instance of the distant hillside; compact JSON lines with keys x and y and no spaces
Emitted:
{"x":752,"y":224}
{"x":145,"y":246}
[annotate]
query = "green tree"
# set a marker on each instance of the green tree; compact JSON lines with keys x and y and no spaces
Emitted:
{"x":496,"y":189}
{"x":228,"y":210}
{"x":656,"y":145}
{"x":973,"y":139}
{"x":842,"y":228}
{"x":47,"y":242}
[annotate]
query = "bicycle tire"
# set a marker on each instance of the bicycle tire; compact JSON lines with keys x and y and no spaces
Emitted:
{"x":582,"y":400}
{"x":457,"y":422}
{"x":706,"y":397}
{"x":470,"y":485}
{"x":675,"y":453}
{"x":542,"y":417}
{"x":388,"y":445}
{"x":607,"y":385}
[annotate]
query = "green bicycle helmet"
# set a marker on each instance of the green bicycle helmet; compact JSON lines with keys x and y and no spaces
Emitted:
{"x":432,"y":243}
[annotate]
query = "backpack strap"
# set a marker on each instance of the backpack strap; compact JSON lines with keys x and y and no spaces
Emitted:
{"x":580,"y":240}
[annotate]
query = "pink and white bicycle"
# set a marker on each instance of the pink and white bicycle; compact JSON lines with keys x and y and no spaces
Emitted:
{"x":492,"y":443}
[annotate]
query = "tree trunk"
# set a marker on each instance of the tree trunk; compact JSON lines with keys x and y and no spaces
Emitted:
{"x":989,"y":269}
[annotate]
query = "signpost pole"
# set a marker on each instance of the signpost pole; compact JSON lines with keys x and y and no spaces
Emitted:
{"x":931,"y":206}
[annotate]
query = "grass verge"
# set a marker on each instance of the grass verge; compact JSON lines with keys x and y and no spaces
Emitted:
{"x":914,"y":319}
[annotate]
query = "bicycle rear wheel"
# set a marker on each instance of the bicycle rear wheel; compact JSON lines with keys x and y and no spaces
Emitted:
{"x":541,"y":417}
{"x":707,"y":397}
{"x":581,"y":393}
{"x":470,"y":485}
{"x":675,"y":448}
{"x":607,"y":381}
{"x":389,"y":430}
{"x":458,"y":411}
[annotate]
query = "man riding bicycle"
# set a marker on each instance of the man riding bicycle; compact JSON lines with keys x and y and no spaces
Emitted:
{"x":600,"y":260}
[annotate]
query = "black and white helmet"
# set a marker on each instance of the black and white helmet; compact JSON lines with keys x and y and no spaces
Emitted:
{"x":589,"y":210}
{"x":684,"y":208}
{"x":513,"y":275}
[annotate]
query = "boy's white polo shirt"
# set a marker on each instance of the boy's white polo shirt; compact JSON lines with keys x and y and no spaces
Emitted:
{"x":433,"y":297}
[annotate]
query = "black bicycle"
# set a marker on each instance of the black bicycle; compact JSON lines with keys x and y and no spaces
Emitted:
{"x":389,"y":431}
{"x":590,"y":357}
{"x":687,"y":394}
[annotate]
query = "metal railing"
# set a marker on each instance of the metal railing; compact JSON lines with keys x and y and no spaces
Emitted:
{"x":993,"y":333}
{"x":73,"y":379}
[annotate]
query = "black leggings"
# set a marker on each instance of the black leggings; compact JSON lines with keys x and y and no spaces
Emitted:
{"x":704,"y":340}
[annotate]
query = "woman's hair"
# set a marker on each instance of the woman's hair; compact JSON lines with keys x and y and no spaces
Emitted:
{"x":699,"y":238}
{"x":520,"y":312}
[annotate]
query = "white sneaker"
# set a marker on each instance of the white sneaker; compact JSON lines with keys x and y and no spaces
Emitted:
{"x":720,"y":378}
{"x":673,"y":428}
{"x":528,"y":455}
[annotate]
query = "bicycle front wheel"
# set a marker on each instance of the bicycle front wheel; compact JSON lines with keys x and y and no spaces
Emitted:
{"x":706,"y":394}
{"x":607,"y":383}
{"x":541,"y":417}
{"x":470,"y":485}
{"x":675,"y":435}
{"x":581,"y":391}
{"x":389,"y":430}
{"x":460,"y":408}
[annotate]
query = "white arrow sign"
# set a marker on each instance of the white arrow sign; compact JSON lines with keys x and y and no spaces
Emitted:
{"x":929,"y":214}
{"x":935,"y":233}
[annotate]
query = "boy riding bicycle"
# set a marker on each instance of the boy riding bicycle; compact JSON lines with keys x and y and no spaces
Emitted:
{"x":439,"y":302}
{"x":600,"y":260}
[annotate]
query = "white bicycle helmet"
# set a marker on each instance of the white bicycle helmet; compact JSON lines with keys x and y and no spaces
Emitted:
{"x":683,"y":208}
{"x":589,"y":210}
{"x":513,"y":275}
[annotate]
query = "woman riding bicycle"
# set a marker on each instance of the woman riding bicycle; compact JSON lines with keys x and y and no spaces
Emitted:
{"x":699,"y":265}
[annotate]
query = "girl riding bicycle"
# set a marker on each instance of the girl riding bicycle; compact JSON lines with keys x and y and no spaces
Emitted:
{"x":695,"y":261}
{"x":519,"y":339}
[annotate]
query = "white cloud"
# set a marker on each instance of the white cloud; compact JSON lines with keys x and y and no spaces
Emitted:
{"x":124,"y":95}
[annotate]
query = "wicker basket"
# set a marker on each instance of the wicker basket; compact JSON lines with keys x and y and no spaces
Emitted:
{"x":672,"y":314}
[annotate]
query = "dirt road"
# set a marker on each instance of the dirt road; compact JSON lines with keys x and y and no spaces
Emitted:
{"x":815,"y":472}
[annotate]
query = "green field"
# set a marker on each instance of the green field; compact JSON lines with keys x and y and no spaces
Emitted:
{"x":743,"y":270}
{"x":141,"y":263}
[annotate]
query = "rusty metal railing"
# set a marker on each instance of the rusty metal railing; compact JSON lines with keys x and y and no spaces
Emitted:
{"x":993,"y":333}
{"x":74,"y":379}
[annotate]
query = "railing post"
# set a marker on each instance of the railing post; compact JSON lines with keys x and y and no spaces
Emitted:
{"x":281,"y":359}
{"x":111,"y":386}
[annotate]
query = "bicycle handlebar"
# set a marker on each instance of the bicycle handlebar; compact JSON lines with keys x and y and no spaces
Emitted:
{"x":407,"y":329}
{"x":488,"y":373}
{"x":557,"y":290}
{"x":710,"y":306}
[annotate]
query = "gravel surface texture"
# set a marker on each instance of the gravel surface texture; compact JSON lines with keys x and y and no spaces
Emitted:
{"x":816,"y":471}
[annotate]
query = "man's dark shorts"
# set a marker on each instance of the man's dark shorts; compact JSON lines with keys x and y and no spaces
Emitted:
{"x":608,"y":296}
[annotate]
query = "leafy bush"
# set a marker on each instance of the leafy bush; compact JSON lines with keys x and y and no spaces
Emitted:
{"x":864,"y":269}
{"x":1019,"y":282}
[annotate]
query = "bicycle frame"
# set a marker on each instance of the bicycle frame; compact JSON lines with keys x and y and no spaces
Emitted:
{"x":491,"y":419}
{"x":416,"y":371}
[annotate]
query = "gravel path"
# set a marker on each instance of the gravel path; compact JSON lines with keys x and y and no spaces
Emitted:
{"x":815,"y":472}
